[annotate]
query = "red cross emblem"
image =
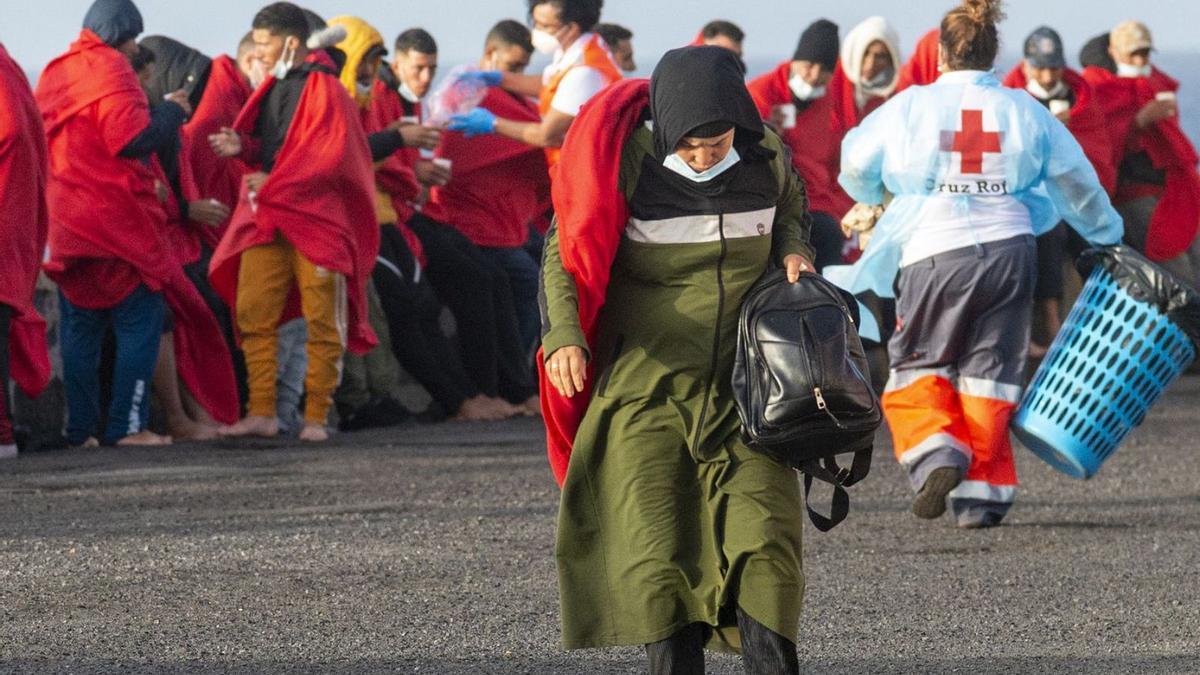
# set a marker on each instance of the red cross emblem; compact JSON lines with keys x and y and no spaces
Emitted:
{"x":972,"y":141}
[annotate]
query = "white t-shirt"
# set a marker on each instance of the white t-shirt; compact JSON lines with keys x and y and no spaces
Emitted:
{"x":580,"y":84}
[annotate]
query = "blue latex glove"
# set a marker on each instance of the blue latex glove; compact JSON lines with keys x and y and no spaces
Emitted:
{"x":475,"y":123}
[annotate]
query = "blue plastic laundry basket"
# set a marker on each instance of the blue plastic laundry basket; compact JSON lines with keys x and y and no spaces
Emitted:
{"x":1115,"y":356}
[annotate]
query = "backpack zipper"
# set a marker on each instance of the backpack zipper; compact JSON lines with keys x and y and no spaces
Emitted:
{"x":824,"y":407}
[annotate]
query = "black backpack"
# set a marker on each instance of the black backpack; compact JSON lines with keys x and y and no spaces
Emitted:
{"x":803,"y":385}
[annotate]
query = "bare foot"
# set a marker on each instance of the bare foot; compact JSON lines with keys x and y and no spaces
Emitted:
{"x":252,"y":425}
{"x":476,"y":409}
{"x":91,"y":442}
{"x":532,"y":407}
{"x":144,"y":438}
{"x":185,"y":429}
{"x":503,"y":409}
{"x":314,"y":433}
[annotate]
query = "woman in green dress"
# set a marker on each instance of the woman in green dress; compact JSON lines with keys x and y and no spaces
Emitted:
{"x":672,"y":533}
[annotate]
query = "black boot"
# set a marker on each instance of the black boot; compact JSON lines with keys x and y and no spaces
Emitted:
{"x":765,"y":652}
{"x":680,"y":654}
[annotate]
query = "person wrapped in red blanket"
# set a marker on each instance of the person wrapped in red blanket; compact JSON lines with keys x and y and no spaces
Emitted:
{"x":495,"y":359}
{"x":1044,"y":74}
{"x":798,"y":96}
{"x":107,"y":246}
{"x":23,"y":223}
{"x":1158,"y":188}
{"x":304,"y":222}
{"x":499,"y":186}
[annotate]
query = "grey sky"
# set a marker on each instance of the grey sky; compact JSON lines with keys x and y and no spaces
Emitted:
{"x":34,"y":31}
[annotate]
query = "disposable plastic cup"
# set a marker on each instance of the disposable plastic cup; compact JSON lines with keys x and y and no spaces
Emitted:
{"x":787,"y":112}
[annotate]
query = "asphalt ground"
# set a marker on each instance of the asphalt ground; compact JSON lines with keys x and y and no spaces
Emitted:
{"x":429,"y":549}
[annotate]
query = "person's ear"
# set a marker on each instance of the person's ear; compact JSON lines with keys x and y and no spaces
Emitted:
{"x":291,"y":42}
{"x":941,"y":58}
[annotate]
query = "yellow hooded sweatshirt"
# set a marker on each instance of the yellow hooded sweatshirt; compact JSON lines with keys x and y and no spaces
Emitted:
{"x":362,"y":40}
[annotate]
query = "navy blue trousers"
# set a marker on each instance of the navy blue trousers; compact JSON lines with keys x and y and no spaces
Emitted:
{"x":137,"y":323}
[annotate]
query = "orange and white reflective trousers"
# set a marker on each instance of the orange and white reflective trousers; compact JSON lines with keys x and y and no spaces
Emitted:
{"x":958,"y":360}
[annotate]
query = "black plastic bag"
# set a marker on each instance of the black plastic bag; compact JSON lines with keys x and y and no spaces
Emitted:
{"x":1149,"y":283}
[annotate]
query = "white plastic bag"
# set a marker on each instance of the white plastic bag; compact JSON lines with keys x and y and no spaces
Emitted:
{"x":454,"y":95}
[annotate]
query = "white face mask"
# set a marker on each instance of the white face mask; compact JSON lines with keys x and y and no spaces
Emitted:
{"x":803,"y":90}
{"x":1039,"y":92}
{"x":284,"y":64}
{"x":676,"y":164}
{"x":408,"y":93}
{"x":544,"y":42}
{"x":1130,"y":70}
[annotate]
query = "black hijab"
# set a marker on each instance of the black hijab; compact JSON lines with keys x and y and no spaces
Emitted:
{"x":696,"y":86}
{"x":176,"y":66}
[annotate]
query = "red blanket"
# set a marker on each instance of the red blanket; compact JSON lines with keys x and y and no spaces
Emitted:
{"x":207,"y":176}
{"x":922,"y":67}
{"x":815,"y":141}
{"x":394,"y":176}
{"x":1087,"y":123}
{"x":23,"y":223}
{"x":591,"y":215}
{"x":497,"y":186}
{"x":319,"y":196}
{"x":1176,"y":219}
{"x":102,"y":205}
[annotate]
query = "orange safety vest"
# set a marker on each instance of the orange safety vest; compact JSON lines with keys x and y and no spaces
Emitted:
{"x":595,"y":55}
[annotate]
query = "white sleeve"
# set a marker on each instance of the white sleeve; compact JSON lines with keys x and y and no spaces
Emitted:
{"x":578,"y":86}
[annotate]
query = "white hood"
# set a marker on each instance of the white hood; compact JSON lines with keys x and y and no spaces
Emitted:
{"x":854,"y":47}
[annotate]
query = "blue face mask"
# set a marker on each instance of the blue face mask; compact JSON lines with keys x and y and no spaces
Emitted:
{"x":676,"y":164}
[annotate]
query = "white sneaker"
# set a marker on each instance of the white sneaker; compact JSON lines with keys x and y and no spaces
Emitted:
{"x":8,"y":452}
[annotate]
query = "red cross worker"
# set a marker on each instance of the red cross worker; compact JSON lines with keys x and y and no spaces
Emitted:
{"x":978,"y":172}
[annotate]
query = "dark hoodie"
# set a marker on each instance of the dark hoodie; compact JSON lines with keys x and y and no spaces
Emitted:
{"x":114,"y":21}
{"x":1095,"y":53}
{"x":176,"y":66}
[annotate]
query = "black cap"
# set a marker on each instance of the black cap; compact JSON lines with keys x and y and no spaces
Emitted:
{"x":1044,"y":49}
{"x":819,"y":44}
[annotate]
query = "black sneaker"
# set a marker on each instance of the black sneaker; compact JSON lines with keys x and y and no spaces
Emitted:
{"x":930,"y":502}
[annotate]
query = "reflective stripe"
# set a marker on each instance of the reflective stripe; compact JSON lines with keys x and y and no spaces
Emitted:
{"x":986,"y":492}
{"x":933,"y":443}
{"x":900,"y":379}
{"x":701,"y":229}
{"x":974,"y":386}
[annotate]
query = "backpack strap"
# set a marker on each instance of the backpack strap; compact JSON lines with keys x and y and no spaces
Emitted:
{"x":827,"y":470}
